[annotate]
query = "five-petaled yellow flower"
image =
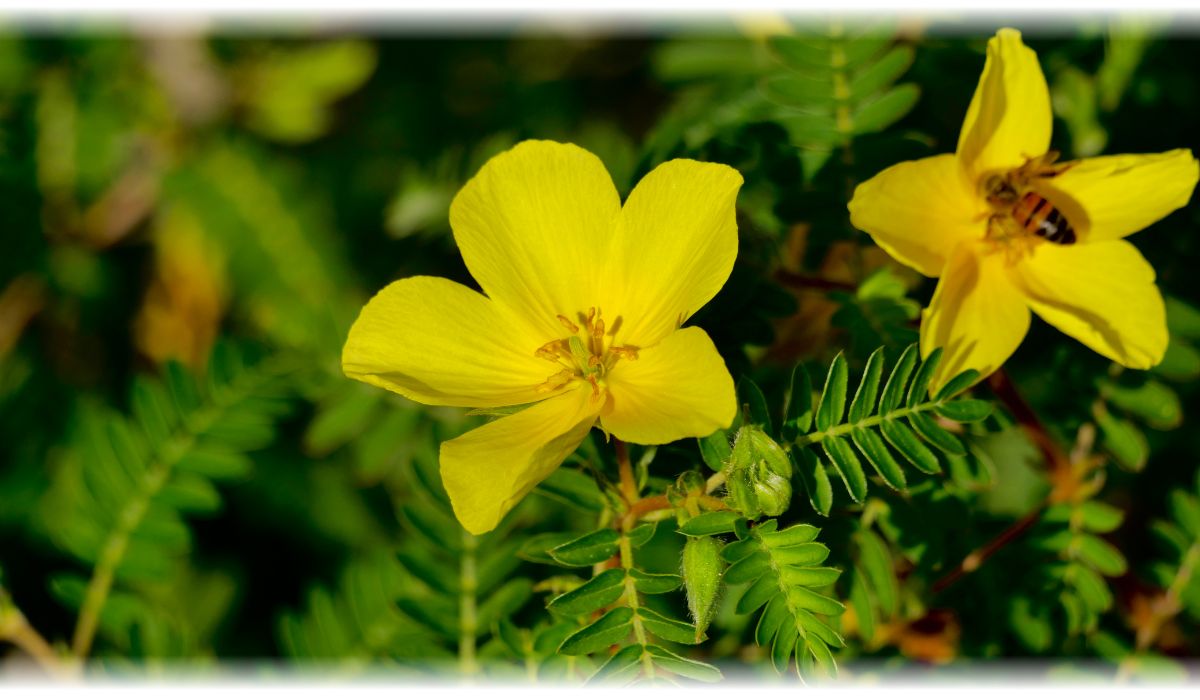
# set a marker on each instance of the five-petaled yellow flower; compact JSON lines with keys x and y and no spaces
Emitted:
{"x":581,"y":318}
{"x":1008,"y":230}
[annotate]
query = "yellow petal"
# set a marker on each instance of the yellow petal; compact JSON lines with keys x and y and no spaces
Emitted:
{"x":918,"y":211}
{"x":679,"y":388}
{"x":438,"y":342}
{"x":1009,"y":119}
{"x":1114,"y":196}
{"x":674,"y":247}
{"x":533,"y":225}
{"x":977,"y":316}
{"x":1101,"y":294}
{"x":489,"y":470}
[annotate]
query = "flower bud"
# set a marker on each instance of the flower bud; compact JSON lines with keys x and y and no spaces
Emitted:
{"x":772,"y":491}
{"x":702,"y":568}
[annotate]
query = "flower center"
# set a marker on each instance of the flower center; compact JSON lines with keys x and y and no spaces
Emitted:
{"x":1020,"y":216}
{"x":587,"y":353}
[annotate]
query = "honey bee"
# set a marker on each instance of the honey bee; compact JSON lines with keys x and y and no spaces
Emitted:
{"x":1013,"y":194}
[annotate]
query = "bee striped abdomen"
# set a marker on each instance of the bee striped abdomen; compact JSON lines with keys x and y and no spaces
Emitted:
{"x":1037,"y":216}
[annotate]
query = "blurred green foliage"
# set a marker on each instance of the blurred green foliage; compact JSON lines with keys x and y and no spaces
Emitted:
{"x":191,"y":223}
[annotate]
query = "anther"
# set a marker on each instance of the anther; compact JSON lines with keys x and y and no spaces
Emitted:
{"x":556,"y":381}
{"x":567,"y":324}
{"x":626,"y":352}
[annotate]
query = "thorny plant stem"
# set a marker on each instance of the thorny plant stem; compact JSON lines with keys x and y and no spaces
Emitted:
{"x":1056,"y":458}
{"x":467,"y":622}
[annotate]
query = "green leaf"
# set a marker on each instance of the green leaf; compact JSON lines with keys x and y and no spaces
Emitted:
{"x":848,"y":466}
{"x":868,"y":389}
{"x":937,"y":436}
{"x":864,"y":611}
{"x":537,"y":548}
{"x":623,"y":665}
{"x":876,"y":563}
{"x":958,"y":384}
{"x":798,"y":411}
{"x":964,"y":410}
{"x":881,"y":73}
{"x":809,"y":554}
{"x":920,"y":384}
{"x":590,"y":549}
{"x":893,"y":391}
{"x":1153,"y":402}
{"x":773,"y":617}
{"x":833,"y":397}
{"x":804,"y":54}
{"x":641,"y":534}
{"x":715,"y":450}
{"x":809,"y":577}
{"x":816,"y":481}
{"x":804,"y":598}
{"x":680,"y":666}
{"x":655,"y":583}
{"x":783,"y":646}
{"x":669,"y":629}
{"x":800,"y":533}
{"x":716,"y":522}
{"x":215,"y":463}
{"x":907,"y":444}
{"x":881,"y":112}
{"x":1185,"y":509}
{"x":757,"y":595}
{"x":748,"y":569}
{"x":754,"y":404}
{"x":800,"y":91}
{"x":602,"y":590}
{"x":877,"y":453}
{"x":150,"y":408}
{"x":1123,"y":440}
{"x":1100,"y":554}
{"x":613,"y":627}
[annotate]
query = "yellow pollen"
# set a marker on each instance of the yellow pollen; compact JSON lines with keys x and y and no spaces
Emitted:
{"x":588,"y":353}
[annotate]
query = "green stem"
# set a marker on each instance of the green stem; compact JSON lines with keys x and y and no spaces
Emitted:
{"x":846,"y":428}
{"x":467,"y":621}
{"x":633,"y":600}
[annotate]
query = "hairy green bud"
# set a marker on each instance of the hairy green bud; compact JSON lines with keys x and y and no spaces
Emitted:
{"x":702,"y":568}
{"x":759,"y":474}
{"x":772,"y":490}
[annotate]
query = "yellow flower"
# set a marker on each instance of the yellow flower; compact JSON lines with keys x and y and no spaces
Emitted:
{"x":1009,"y":230}
{"x":582,"y":314}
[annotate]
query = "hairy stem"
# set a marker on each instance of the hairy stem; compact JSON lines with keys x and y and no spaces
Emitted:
{"x":633,"y":600}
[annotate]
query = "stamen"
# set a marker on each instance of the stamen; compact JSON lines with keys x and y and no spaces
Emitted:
{"x":556,"y":381}
{"x":616,"y":326}
{"x":625,"y":352}
{"x":567,"y":324}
